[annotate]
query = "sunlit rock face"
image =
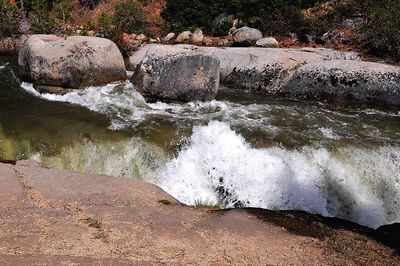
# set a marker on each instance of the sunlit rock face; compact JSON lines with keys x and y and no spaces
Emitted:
{"x":74,"y":62}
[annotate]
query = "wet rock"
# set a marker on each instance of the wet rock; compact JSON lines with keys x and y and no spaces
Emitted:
{"x":72,"y":62}
{"x":197,"y":37}
{"x":184,"y":37}
{"x":267,"y":42}
{"x":390,"y":234}
{"x":246,"y":36}
{"x":347,"y":82}
{"x":177,"y":73}
{"x":170,"y":37}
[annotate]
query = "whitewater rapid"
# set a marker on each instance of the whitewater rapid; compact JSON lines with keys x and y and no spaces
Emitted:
{"x":331,"y":172}
{"x":218,"y":166}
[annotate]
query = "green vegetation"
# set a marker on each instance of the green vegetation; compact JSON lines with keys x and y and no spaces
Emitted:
{"x":381,"y":27}
{"x":376,"y":24}
{"x":129,"y":17}
{"x":273,"y":16}
{"x":89,"y":4}
{"x":165,"y":202}
{"x":207,"y":205}
{"x":360,"y":237}
{"x":63,"y":10}
{"x":104,"y":25}
{"x":92,"y":223}
{"x":40,"y":18}
{"x":9,"y":18}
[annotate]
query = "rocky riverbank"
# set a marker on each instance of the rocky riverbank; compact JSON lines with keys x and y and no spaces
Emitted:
{"x":324,"y":75}
{"x":57,"y":217}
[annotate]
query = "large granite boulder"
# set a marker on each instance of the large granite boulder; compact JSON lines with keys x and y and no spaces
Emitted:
{"x":347,"y":82}
{"x":260,"y":69}
{"x":73,"y":62}
{"x":176,"y":73}
{"x":246,"y":36}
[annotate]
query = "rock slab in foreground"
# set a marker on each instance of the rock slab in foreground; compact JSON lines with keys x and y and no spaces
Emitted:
{"x":74,"y":62}
{"x":177,"y":73}
{"x":68,"y":218}
{"x":347,"y":82}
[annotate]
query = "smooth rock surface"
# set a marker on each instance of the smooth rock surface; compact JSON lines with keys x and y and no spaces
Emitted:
{"x":347,"y":82}
{"x":51,"y":217}
{"x":247,"y":36}
{"x":180,"y":73}
{"x":260,"y":69}
{"x":74,"y":62}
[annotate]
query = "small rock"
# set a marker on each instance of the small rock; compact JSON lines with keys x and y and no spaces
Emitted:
{"x":207,"y":41}
{"x":197,"y":36}
{"x":267,"y":42}
{"x":126,"y":38}
{"x":170,"y":37}
{"x":141,"y":38}
{"x":91,"y":33}
{"x":247,"y":36}
{"x":184,"y":37}
{"x":78,"y":32}
{"x":222,"y":42}
{"x":151,"y":40}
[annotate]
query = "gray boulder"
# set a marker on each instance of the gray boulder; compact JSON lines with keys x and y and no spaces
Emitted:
{"x":73,"y":62}
{"x":180,"y":73}
{"x":347,"y":82}
{"x":265,"y":70}
{"x":246,"y":36}
{"x":267,"y":42}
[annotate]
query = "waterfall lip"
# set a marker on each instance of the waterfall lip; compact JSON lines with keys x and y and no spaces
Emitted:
{"x":218,"y":166}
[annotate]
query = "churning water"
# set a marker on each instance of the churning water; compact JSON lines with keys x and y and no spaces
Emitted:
{"x":241,"y":150}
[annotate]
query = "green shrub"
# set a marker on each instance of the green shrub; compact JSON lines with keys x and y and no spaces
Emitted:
{"x":129,"y":17}
{"x":104,"y":25}
{"x":89,"y":4}
{"x":9,"y":18}
{"x":40,"y":18}
{"x":271,"y":17}
{"x":381,"y":27}
{"x":63,"y":10}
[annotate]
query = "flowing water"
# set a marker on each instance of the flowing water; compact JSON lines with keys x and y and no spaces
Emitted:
{"x":241,"y":150}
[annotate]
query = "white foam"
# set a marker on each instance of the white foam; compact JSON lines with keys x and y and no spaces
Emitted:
{"x":126,"y":107}
{"x":328,"y":133}
{"x":3,"y":66}
{"x":343,"y":183}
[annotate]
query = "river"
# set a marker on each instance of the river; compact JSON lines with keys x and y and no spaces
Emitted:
{"x":240,"y":150}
